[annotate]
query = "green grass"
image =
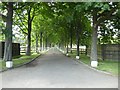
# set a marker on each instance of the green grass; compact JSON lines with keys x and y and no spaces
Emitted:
{"x":19,"y":60}
{"x":106,"y":65}
{"x":109,"y":66}
{"x":2,"y":65}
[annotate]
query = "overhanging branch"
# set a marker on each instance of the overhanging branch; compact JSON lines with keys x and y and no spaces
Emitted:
{"x":21,"y":20}
{"x":21,"y":29}
{"x":3,"y":17}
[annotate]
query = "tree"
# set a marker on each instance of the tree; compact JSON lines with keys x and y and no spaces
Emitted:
{"x":27,"y":14}
{"x":30,"y":19}
{"x":100,"y":12}
{"x":8,"y":36}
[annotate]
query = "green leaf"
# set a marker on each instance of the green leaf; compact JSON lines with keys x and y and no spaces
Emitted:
{"x":106,"y":7}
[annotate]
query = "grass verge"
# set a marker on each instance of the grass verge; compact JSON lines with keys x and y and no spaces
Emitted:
{"x":106,"y":65}
{"x":18,"y":60}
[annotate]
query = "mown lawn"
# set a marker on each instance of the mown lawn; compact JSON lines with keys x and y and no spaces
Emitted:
{"x":110,"y":66}
{"x":18,"y":60}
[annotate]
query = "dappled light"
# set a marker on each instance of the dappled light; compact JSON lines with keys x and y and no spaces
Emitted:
{"x":59,"y":34}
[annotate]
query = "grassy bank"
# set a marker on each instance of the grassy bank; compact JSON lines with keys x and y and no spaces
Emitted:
{"x":106,"y":65}
{"x":18,"y":60}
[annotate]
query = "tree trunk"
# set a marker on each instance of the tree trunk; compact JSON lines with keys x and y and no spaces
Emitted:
{"x":93,"y":56}
{"x":36,"y":43}
{"x":43,"y":45}
{"x":71,"y":41}
{"x":8,"y":34}
{"x":59,"y":45}
{"x":41,"y":41}
{"x":67,"y":48}
{"x":46,"y":42}
{"x":94,"y":45}
{"x":50,"y":45}
{"x":86,"y":51}
{"x":29,"y":35}
{"x":77,"y":39}
{"x":67,"y":42}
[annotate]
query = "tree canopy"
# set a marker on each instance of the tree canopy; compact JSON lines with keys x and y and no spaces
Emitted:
{"x":61,"y":23}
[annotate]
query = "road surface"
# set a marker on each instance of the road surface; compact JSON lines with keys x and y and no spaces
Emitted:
{"x":54,"y":70}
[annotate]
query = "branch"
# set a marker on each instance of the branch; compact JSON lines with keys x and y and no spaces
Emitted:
{"x":32,"y":17}
{"x":21,"y":29}
{"x":110,"y":17}
{"x":3,"y":17}
{"x":33,"y":14}
{"x":5,"y":4}
{"x":20,"y":7}
{"x":22,"y":15}
{"x":106,"y":16}
{"x":21,"y":20}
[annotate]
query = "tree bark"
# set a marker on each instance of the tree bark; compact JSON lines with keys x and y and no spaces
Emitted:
{"x":59,"y":45}
{"x":77,"y":41}
{"x":71,"y":41}
{"x":36,"y":43}
{"x":41,"y":41}
{"x":8,"y":34}
{"x":43,"y":45}
{"x":28,"y":52}
{"x":46,"y":42}
{"x":67,"y":48}
{"x":93,"y":56}
{"x":86,"y":51}
{"x":67,"y":42}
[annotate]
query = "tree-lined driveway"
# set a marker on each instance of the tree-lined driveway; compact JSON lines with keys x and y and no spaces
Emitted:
{"x":54,"y":70}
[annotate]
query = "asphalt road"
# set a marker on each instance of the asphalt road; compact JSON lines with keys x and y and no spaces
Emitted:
{"x":54,"y":70}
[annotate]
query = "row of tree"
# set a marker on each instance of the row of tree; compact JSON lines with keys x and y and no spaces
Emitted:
{"x":61,"y":23}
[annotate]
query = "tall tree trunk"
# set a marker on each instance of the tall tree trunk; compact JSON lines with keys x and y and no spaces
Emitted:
{"x":50,"y":45}
{"x":71,"y":41}
{"x":29,"y":35}
{"x":59,"y":45}
{"x":86,"y":51}
{"x":36,"y":43}
{"x":46,"y":42}
{"x":67,"y":36}
{"x":67,"y":48}
{"x":93,"y":56}
{"x":41,"y":41}
{"x":65,"y":45}
{"x":77,"y":39}
{"x":8,"y":34}
{"x":43,"y":45}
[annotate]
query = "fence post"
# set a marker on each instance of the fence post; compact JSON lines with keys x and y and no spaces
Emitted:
{"x":103,"y":51}
{"x":86,"y":50}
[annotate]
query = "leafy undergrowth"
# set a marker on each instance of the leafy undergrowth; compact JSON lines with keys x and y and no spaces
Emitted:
{"x":18,"y":60}
{"x":110,"y":66}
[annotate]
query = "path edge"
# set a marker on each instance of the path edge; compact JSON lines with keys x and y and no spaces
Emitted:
{"x":21,"y":64}
{"x":100,"y":71}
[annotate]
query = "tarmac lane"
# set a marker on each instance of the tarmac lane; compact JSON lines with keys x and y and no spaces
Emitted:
{"x":54,"y":70}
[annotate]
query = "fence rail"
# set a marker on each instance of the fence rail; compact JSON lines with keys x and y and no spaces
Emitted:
{"x":108,"y":51}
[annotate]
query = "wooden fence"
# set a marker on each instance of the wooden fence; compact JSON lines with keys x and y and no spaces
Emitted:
{"x":82,"y":51}
{"x":15,"y":49}
{"x":108,"y":51}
